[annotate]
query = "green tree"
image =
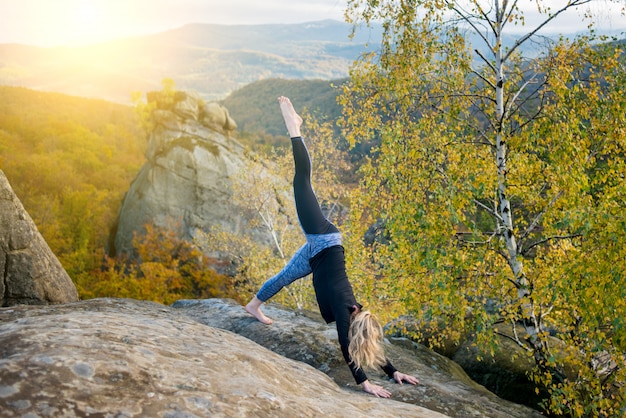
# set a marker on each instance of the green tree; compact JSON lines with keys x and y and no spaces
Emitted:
{"x":163,"y":99}
{"x":498,"y":187}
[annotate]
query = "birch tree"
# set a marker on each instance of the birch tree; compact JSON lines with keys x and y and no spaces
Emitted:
{"x":497,"y":177}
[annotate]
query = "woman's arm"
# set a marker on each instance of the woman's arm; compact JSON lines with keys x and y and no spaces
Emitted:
{"x":399,"y":377}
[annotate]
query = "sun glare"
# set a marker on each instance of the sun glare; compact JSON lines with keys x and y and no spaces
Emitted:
{"x":87,"y":13}
{"x":81,"y":22}
{"x":89,"y":21}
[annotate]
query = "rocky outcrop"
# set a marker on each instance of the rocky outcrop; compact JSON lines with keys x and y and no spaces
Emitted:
{"x":186,"y":183}
{"x":444,"y":386}
{"x":31,"y":273}
{"x":506,"y":373}
{"x":125,"y":358}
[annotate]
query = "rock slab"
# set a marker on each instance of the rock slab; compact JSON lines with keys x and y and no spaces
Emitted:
{"x":126,"y":358}
{"x":444,"y":386}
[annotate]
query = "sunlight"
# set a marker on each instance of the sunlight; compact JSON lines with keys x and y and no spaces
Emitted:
{"x":88,"y":22}
{"x":87,"y":13}
{"x":81,"y":22}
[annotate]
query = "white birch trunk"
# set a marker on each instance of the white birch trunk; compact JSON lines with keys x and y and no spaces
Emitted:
{"x":504,"y":204}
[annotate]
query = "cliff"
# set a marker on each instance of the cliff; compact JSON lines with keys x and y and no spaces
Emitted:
{"x":186,"y":183}
{"x":31,"y":273}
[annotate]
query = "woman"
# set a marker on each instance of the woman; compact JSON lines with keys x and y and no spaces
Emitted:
{"x":360,"y":335}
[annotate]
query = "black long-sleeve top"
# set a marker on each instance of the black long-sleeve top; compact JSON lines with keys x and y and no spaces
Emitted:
{"x":336,"y":301}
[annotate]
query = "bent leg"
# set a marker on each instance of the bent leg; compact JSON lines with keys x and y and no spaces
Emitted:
{"x":297,"y":268}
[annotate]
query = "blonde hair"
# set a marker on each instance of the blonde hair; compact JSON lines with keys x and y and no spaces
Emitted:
{"x":366,"y":341}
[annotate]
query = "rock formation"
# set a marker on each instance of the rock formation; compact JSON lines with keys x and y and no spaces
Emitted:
{"x":506,"y":373}
{"x":125,"y":358}
{"x":186,"y":182}
{"x":444,"y":386}
{"x":31,"y":273}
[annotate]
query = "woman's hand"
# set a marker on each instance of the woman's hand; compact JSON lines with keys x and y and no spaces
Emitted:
{"x":401,"y":377}
{"x":378,"y":391}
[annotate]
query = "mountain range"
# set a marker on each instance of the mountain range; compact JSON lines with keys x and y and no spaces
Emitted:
{"x":212,"y":60}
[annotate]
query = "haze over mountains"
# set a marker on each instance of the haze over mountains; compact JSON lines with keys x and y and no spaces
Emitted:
{"x":212,"y":60}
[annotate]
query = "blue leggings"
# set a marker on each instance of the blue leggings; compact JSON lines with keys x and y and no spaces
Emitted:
{"x":320,"y":232}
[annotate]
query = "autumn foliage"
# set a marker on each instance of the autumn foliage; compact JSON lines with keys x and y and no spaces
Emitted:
{"x":70,"y":160}
{"x":163,"y":268}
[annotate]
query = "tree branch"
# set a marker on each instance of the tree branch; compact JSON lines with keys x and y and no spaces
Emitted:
{"x":510,"y":13}
{"x":543,"y":241}
{"x":493,"y":212}
{"x":550,"y":18}
{"x":517,"y":94}
{"x":515,"y":339}
{"x":466,"y":17}
{"x":488,"y":82}
{"x":490,"y":65}
{"x":539,"y":216}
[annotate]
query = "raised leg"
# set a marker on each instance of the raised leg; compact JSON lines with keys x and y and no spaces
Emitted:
{"x":310,"y":214}
{"x":293,"y":121}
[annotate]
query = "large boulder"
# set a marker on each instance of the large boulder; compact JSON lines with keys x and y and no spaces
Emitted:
{"x":505,"y":373}
{"x":444,"y":386}
{"x":187,"y":181}
{"x":125,"y":358}
{"x":31,"y":273}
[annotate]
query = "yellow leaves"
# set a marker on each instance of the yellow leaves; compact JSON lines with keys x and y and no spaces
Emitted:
{"x":433,"y":180}
{"x":169,"y":269}
{"x":60,"y":163}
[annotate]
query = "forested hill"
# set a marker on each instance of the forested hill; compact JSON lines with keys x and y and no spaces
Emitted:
{"x":212,"y":60}
{"x":254,"y":106}
{"x":69,"y":160}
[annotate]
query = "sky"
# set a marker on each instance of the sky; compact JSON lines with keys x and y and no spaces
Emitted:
{"x":81,"y":22}
{"x":74,"y":22}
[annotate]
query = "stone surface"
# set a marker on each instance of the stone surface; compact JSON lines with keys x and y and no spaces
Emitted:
{"x":31,"y":273}
{"x":444,"y":386}
{"x":126,"y":358}
{"x":505,"y":373}
{"x":187,"y":182}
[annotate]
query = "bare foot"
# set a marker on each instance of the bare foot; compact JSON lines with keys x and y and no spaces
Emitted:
{"x":254,"y":308}
{"x":292,"y":119}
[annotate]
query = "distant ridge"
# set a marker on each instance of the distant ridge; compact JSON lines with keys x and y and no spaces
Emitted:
{"x":210,"y":59}
{"x":269,"y":37}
